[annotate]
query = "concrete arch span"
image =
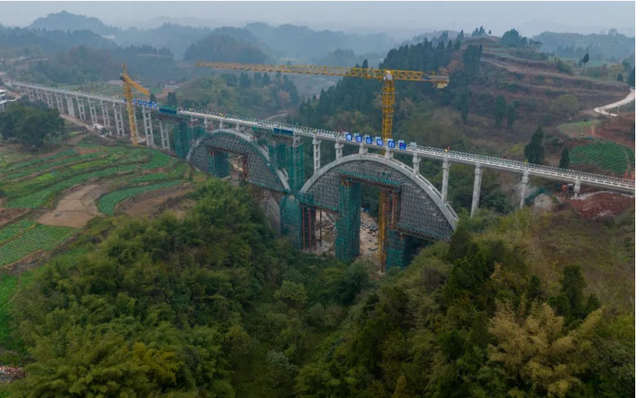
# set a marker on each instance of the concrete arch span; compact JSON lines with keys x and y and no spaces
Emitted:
{"x":421,"y":212}
{"x":209,"y":154}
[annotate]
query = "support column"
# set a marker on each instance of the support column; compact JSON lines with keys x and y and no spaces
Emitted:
{"x":576,"y":188}
{"x":416,"y":164}
{"x":363,"y":149}
{"x":339,"y":147}
{"x":164,"y":135}
{"x":221,"y":124}
{"x":388,"y":154}
{"x":148,"y":127}
{"x":316,"y":154}
{"x":106,"y":120}
{"x":59,"y":103}
{"x":206,"y":124}
{"x":32,"y":95}
{"x":445,"y":180}
{"x":81,"y":111}
{"x":117,"y":113}
{"x":49,"y":97}
{"x":39,"y":95}
{"x":238,"y":127}
{"x":477,"y":182}
{"x":523,"y":187}
{"x":70,"y":107}
{"x":93,"y":113}
{"x":348,"y":223}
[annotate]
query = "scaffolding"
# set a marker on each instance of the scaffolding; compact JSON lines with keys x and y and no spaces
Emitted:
{"x":348,"y":224}
{"x":396,"y":249}
{"x":218,"y":163}
{"x":291,"y":220}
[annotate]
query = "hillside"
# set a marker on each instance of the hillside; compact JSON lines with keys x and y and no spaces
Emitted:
{"x":66,"y":21}
{"x":224,"y":48}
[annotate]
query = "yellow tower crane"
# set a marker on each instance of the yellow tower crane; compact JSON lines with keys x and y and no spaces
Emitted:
{"x":129,"y":84}
{"x":388,"y":77}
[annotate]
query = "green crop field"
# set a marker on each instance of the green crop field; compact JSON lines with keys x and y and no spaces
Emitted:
{"x":42,"y":237}
{"x":12,"y":230}
{"x":150,"y":177}
{"x":108,"y":202}
{"x":605,"y":155}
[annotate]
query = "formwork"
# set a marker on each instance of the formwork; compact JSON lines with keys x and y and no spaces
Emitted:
{"x":181,"y":139}
{"x":218,"y":164}
{"x":396,"y":249}
{"x":295,"y":169}
{"x":348,"y":224}
{"x":291,"y":220}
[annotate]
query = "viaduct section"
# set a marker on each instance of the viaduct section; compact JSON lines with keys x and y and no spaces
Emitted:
{"x":270,"y":156}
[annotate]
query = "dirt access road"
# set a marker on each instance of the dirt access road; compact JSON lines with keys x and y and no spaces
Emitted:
{"x":603,"y":109}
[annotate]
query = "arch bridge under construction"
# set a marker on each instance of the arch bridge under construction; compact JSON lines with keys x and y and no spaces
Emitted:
{"x":270,"y":156}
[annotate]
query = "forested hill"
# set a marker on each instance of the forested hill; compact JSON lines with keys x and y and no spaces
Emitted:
{"x":305,"y":43}
{"x":599,"y":46}
{"x":66,"y":21}
{"x":36,"y":42}
{"x":86,"y":65}
{"x":224,"y":48}
{"x":211,"y":305}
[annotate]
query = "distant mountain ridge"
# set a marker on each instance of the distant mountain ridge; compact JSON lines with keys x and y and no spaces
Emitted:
{"x":66,"y":21}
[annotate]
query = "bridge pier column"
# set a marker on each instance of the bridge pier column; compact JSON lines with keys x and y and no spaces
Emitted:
{"x":339,"y":147}
{"x":221,"y":124}
{"x":117,"y":113}
{"x":523,"y":187}
{"x":477,"y":182}
{"x":81,"y":111}
{"x":348,"y":224}
{"x":576,"y":188}
{"x":39,"y":95}
{"x":148,"y":127}
{"x":49,"y":97}
{"x":93,"y":113}
{"x":416,"y":164}
{"x":70,"y":107}
{"x":106,"y":120}
{"x":388,"y":155}
{"x":238,"y":127}
{"x":445,"y":180}
{"x":316,"y":154}
{"x":363,"y":149}
{"x":31,"y":94}
{"x":206,"y":124}
{"x":164,"y":135}
{"x":218,"y":164}
{"x":59,"y":103}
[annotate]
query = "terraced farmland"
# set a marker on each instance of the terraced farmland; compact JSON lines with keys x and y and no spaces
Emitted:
{"x":42,"y":237}
{"x":37,"y":182}
{"x":107,"y":203}
{"x":606,"y":155}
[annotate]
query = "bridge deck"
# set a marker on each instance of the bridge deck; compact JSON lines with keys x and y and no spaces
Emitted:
{"x":514,"y":166}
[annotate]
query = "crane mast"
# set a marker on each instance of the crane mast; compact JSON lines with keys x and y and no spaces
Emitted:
{"x":129,"y":84}
{"x":388,"y":78}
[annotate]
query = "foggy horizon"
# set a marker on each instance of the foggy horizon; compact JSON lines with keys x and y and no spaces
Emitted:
{"x":406,"y":20}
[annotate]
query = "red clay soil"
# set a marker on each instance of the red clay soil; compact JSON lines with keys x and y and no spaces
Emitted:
{"x":617,"y":129}
{"x":602,"y":205}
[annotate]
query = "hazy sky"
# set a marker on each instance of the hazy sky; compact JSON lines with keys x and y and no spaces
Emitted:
{"x":396,"y":17}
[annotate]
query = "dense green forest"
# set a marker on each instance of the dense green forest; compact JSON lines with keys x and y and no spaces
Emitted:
{"x":15,"y":42}
{"x":224,"y":48}
{"x":33,"y":125}
{"x":212,"y":305}
{"x":82,"y":64}
{"x":256,"y":95}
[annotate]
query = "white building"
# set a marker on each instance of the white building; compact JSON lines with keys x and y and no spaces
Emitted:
{"x":3,"y":99}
